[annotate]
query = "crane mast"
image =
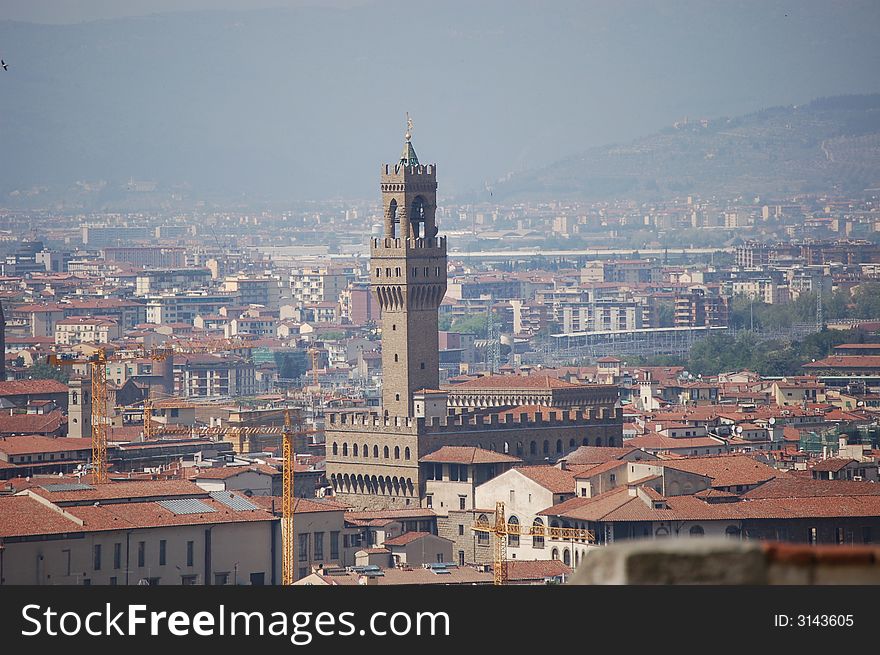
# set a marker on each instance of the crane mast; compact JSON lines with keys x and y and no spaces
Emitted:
{"x":287,"y":499}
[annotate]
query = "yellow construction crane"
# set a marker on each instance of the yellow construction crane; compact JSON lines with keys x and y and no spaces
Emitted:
{"x":288,"y":539}
{"x":501,"y":529}
{"x":97,"y":364}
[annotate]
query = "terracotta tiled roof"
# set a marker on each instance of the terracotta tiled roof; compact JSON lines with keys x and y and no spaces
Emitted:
{"x":659,"y":442}
{"x":225,"y":472}
{"x":125,"y":490}
{"x":796,"y":487}
{"x":728,"y":470}
{"x":406,"y":538}
{"x":31,"y":387}
{"x":514,"y":382}
{"x":25,"y":445}
{"x":31,"y":423}
{"x":551,"y":478}
{"x":588,"y":471}
{"x":523,"y":570}
{"x":468,"y":455}
{"x":598,"y":454}
{"x":833,"y":464}
{"x":300,"y":505}
{"x":846,"y":361}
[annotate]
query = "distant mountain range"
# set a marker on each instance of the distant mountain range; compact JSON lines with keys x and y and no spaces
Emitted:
{"x":831,"y":144}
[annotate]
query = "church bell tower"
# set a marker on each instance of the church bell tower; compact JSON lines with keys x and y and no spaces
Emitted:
{"x":408,"y":276}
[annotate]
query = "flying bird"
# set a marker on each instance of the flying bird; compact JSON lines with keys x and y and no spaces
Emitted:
{"x":3,"y":63}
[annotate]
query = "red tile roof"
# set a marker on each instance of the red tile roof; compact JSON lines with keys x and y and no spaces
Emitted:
{"x":551,"y":478}
{"x":728,"y":470}
{"x":797,"y":487}
{"x":467,"y":455}
{"x":846,"y":361}
{"x":31,"y":387}
{"x":833,"y":464}
{"x":32,"y":444}
{"x":406,"y":538}
{"x":599,"y":454}
{"x":514,"y":382}
{"x":526,"y":570}
{"x":124,"y":490}
{"x":31,"y":423}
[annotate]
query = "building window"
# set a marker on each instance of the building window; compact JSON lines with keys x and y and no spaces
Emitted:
{"x":366,"y":451}
{"x":335,"y":448}
{"x":460,"y":529}
{"x":554,"y":554}
{"x":304,"y":547}
{"x":162,"y":545}
{"x":566,"y":557}
{"x":395,"y":358}
{"x":354,"y":450}
{"x":221,"y":579}
{"x":117,"y":556}
{"x":429,"y":501}
{"x":334,"y":545}
{"x":546,"y":447}
{"x":483,"y":537}
{"x":376,"y":451}
{"x":813,"y":536}
{"x":345,"y":449}
{"x":406,"y":453}
{"x":189,"y":580}
{"x":303,"y":572}
{"x":422,"y":366}
{"x":190,"y":552}
{"x":462,"y":502}
{"x":697,"y":531}
{"x":396,"y":452}
{"x":461,"y":558}
{"x":319,"y":546}
{"x":537,"y":533}
{"x":385,"y":452}
{"x":97,"y":557}
{"x":513,"y":532}
{"x":142,"y":552}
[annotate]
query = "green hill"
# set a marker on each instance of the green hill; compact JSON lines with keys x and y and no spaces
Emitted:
{"x":831,"y":144}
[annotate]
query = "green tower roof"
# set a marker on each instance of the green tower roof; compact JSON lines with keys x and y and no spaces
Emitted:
{"x":408,"y":157}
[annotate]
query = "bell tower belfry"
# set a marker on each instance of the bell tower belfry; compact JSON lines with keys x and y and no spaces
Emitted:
{"x":408,"y":276}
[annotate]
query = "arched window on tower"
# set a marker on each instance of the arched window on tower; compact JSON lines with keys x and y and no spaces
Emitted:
{"x":417,"y":218}
{"x":392,"y":213}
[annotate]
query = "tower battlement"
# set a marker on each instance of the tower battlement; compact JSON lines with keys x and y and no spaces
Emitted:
{"x":457,"y":423}
{"x":392,"y":172}
{"x":395,"y":244}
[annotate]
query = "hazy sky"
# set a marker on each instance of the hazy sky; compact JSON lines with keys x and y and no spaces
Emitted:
{"x":307,"y":100}
{"x":60,"y":12}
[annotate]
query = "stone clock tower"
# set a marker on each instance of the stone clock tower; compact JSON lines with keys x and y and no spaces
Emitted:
{"x":408,"y":276}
